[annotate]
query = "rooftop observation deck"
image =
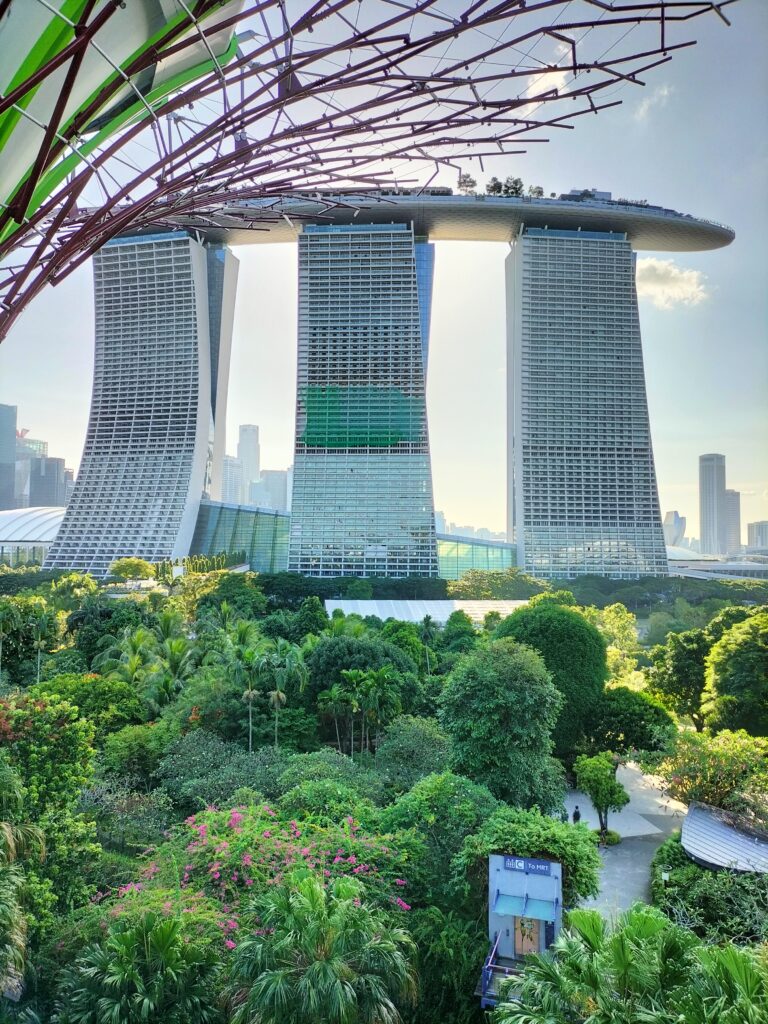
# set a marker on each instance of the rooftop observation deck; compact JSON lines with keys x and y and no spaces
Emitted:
{"x":442,"y":216}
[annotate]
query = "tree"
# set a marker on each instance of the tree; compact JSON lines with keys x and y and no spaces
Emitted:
{"x":736,"y":690}
{"x":459,"y":633}
{"x":493,"y":187}
{"x":677,"y":674}
{"x":443,"y":809}
{"x":535,"y":191}
{"x":640,"y":968}
{"x":327,"y":803}
{"x":43,"y":628}
{"x":512,"y":187}
{"x":596,"y":776}
{"x":575,"y":653}
{"x":485,"y":584}
{"x":332,"y":655}
{"x":10,"y":620}
{"x":17,"y":841}
{"x":467,"y":184}
{"x":145,"y":973}
{"x":728,"y":770}
{"x":529,"y":834}
{"x":69,"y":591}
{"x":132,"y":569}
{"x":322,"y":956}
{"x":499,"y":706}
{"x":411,"y":749}
{"x":626,"y":720}
{"x":108,"y":704}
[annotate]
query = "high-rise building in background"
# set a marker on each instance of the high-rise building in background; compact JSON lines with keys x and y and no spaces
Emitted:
{"x":7,"y":456}
{"x":232,"y":481}
{"x":155,"y":440}
{"x":581,"y":472}
{"x":47,"y":482}
{"x":757,"y":535}
{"x":712,"y":506}
{"x":732,"y":522}
{"x":28,"y":449}
{"x":362,"y":491}
{"x":271,"y":491}
{"x":249,"y":453}
{"x":674,"y":529}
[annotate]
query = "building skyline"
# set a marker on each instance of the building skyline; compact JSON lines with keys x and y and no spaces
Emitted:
{"x":712,"y":506}
{"x":249,"y":453}
{"x":582,"y":495}
{"x":362,"y":488}
{"x":232,"y":480}
{"x":155,"y":439}
{"x":28,"y":477}
{"x":732,"y":522}
{"x":757,"y":535}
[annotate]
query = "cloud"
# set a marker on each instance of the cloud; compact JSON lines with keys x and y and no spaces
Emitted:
{"x":667,"y":285}
{"x":658,"y":98}
{"x":552,"y":79}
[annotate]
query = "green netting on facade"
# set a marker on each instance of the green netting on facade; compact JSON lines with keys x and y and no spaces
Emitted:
{"x":360,"y":417}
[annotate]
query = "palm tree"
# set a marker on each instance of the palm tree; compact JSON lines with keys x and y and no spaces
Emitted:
{"x":353,"y":680}
{"x":177,"y":658}
{"x":16,"y":842}
{"x":643,"y":969}
{"x":276,"y":701}
{"x":428,"y":635}
{"x":169,"y":625}
{"x":322,"y":957}
{"x":10,"y":620}
{"x":143,"y":973}
{"x":41,"y":624}
{"x":333,"y":702}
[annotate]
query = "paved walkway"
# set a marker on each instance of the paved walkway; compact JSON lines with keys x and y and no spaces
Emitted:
{"x":644,"y":824}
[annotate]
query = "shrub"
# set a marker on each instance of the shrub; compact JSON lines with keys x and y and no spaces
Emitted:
{"x":529,"y":834}
{"x":328,"y":765}
{"x":412,"y":749}
{"x":327,"y":803}
{"x":133,"y":753}
{"x":717,"y":905}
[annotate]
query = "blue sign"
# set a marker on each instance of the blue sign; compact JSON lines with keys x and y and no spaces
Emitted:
{"x":530,"y":867}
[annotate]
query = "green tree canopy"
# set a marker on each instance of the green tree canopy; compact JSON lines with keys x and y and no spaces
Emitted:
{"x":641,"y":968}
{"x":444,"y":809}
{"x":736,"y":691}
{"x":321,"y":956}
{"x":145,"y":973}
{"x":575,"y":653}
{"x":529,"y":834}
{"x":677,"y":673}
{"x":499,"y":707}
{"x":628,"y":720}
{"x":108,"y":704}
{"x":132,"y":569}
{"x":412,"y":748}
{"x":596,"y":776}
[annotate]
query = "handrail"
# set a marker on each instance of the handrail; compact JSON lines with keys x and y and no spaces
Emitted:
{"x":488,"y":965}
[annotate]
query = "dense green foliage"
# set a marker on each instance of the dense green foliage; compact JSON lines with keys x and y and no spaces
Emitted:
{"x":194,"y":754}
{"x":574,"y":651}
{"x":716,"y":905}
{"x":596,"y":776}
{"x":499,"y":707}
{"x":736,"y":692}
{"x":643,"y":969}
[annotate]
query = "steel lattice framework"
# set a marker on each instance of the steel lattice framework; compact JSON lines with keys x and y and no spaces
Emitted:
{"x":273,"y":98}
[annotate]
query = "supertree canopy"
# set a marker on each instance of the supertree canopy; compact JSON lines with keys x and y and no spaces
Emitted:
{"x":127,"y":113}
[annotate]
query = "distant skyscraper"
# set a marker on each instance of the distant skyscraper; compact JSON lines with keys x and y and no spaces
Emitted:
{"x":362,"y":492}
{"x":674,"y":529}
{"x":583,"y":496}
{"x":164,"y":308}
{"x":7,"y":456}
{"x":232,"y":481}
{"x":271,"y":491}
{"x":249,"y":453}
{"x":47,"y":482}
{"x":732,"y":522}
{"x":712,"y":507}
{"x":757,"y":535}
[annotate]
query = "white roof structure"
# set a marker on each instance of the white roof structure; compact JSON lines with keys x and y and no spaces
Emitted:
{"x":717,"y":839}
{"x":30,"y":525}
{"x":415,"y":611}
{"x":460,"y":218}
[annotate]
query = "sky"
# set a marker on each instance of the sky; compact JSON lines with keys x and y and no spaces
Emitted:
{"x":695,"y":139}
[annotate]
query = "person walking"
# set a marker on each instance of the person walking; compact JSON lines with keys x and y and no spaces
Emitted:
{"x":576,"y":815}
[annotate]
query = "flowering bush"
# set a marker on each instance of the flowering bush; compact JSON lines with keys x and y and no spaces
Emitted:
{"x":233,"y":854}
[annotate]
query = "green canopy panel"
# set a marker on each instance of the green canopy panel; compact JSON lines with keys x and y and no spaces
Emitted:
{"x":540,"y":910}
{"x":509,"y":906}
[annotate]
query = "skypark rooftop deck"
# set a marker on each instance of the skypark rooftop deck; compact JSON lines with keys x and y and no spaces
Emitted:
{"x":442,"y":216}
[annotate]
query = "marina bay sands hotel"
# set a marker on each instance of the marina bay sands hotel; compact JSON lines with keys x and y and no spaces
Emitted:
{"x":582,"y":494}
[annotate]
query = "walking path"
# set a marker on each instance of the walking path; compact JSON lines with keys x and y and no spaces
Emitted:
{"x":647,"y":820}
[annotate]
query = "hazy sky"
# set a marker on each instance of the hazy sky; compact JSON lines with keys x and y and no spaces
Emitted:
{"x":694,"y":139}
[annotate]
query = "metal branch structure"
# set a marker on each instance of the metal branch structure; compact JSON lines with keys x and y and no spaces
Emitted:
{"x":118,"y":116}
